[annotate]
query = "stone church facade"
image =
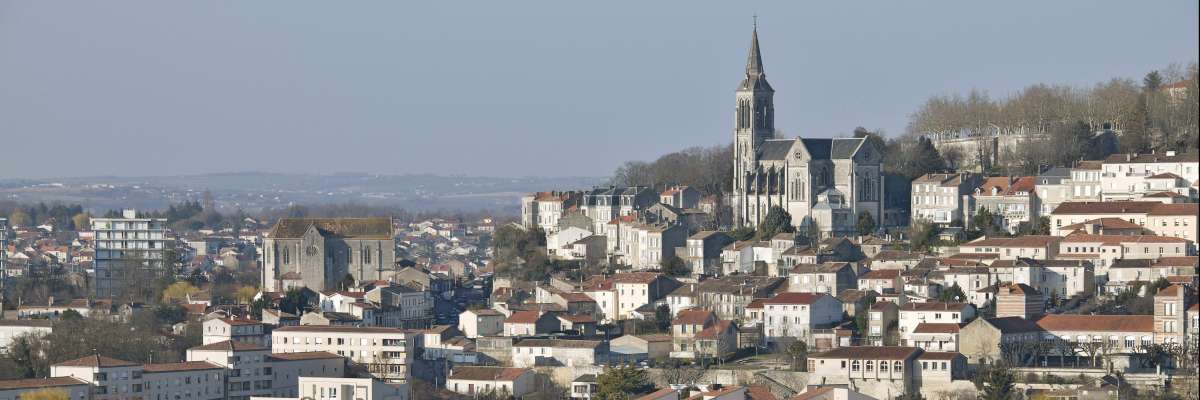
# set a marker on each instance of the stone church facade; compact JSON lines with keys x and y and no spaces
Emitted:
{"x":821,"y":181}
{"x":318,"y":253}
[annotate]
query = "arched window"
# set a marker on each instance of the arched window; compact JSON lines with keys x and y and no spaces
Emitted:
{"x":870,"y":366}
{"x":883,"y":366}
{"x":898,"y":367}
{"x":854,"y":365}
{"x":366,"y":255}
{"x":287,"y":259}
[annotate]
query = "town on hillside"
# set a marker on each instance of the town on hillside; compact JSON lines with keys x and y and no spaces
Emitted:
{"x":944,"y":265}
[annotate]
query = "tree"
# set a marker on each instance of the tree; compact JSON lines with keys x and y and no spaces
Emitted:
{"x":984,"y":221}
{"x":293,"y":302}
{"x":621,"y":382}
{"x":952,"y":294}
{"x":777,"y":221}
{"x":676,"y":373}
{"x":662,"y":317}
{"x":70,"y":315}
{"x":674,"y":266}
{"x":46,"y":394}
{"x":742,"y":233}
{"x":347,"y":282}
{"x":798,"y":350}
{"x":178,"y":291}
{"x":20,"y":218}
{"x":245,"y":294}
{"x":81,"y":221}
{"x":920,"y":233}
{"x":997,"y":383}
{"x":866,"y":223}
{"x":1152,"y":82}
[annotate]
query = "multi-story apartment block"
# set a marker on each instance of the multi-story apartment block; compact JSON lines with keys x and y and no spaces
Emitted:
{"x":880,"y":319}
{"x":251,"y":370}
{"x":703,"y":255}
{"x":317,"y":387}
{"x":883,"y":281}
{"x":543,"y":209}
{"x":648,"y":245}
{"x":971,"y":280}
{"x":110,"y":378}
{"x":1011,"y":201}
{"x":386,"y":352}
{"x":1053,"y":187}
{"x":1171,"y":321}
{"x":788,"y":316}
{"x":944,"y":199}
{"x":3,"y":251}
{"x":1105,"y":250}
{"x":684,"y":197}
{"x":1019,"y":300}
{"x":1174,"y":220}
{"x":604,"y":204}
{"x":128,"y":247}
{"x":1053,"y":278}
{"x":318,"y":253}
{"x":472,"y":381}
{"x":1132,"y":176}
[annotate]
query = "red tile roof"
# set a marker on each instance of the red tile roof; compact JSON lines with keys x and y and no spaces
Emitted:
{"x":96,"y":361}
{"x":523,"y":317}
{"x":180,"y":366}
{"x":471,"y":373}
{"x":39,"y":383}
{"x":306,"y":355}
{"x":869,"y":352}
{"x":936,"y":328}
{"x":229,"y":345}
{"x":1106,"y":207}
{"x":1097,"y":323}
{"x":881,"y":274}
{"x":693,"y":317}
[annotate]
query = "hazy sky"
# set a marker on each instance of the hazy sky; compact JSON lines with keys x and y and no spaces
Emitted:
{"x":511,"y":88}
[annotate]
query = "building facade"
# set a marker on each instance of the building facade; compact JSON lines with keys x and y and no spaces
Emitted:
{"x":318,"y":253}
{"x":125,"y":248}
{"x":823,"y":181}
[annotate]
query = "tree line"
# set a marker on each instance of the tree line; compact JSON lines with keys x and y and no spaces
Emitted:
{"x":1149,"y":116}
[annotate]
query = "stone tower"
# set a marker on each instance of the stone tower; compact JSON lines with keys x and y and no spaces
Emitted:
{"x":754,"y":120}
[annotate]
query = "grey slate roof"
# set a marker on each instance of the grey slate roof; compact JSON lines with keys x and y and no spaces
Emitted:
{"x":775,"y":149}
{"x":845,"y":148}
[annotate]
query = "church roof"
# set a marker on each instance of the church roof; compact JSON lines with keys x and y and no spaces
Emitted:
{"x":775,"y":149}
{"x":350,"y":228}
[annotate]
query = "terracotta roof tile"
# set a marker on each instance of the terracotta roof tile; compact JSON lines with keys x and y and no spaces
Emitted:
{"x":472,"y":373}
{"x":1097,"y":323}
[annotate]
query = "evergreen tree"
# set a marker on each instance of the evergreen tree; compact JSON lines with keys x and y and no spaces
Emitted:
{"x":776,"y":221}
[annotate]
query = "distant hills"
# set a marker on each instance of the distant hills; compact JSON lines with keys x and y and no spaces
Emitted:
{"x":255,"y":191}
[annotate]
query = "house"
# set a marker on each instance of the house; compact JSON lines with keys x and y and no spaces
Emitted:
{"x":557,"y":352}
{"x":703,"y":252}
{"x":636,"y":289}
{"x":884,"y":281}
{"x":235,"y":329}
{"x":884,"y":372}
{"x":684,"y":328}
{"x":855,"y":301}
{"x":794,"y":316}
{"x":1038,"y":247}
{"x":530,"y":322}
{"x":912,"y":314}
{"x":481,"y":322}
{"x":474,"y":381}
{"x":729,"y":295}
{"x":1172,"y":220}
{"x":584,"y":386}
{"x":718,"y":341}
{"x":1012,"y":201}
{"x":934,"y":336}
{"x":1019,"y":300}
{"x":584,"y":324}
{"x":972,"y":281}
{"x":828,"y":277}
{"x":882,"y":319}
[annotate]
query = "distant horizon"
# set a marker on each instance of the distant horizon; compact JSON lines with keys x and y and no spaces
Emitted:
{"x":251,"y":172}
{"x":148,"y":88}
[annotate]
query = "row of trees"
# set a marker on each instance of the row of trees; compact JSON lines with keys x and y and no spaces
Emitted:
{"x":708,"y":169}
{"x":63,"y":217}
{"x":1150,"y":117}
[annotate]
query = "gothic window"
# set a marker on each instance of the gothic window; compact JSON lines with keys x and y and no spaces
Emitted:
{"x":366,"y":256}
{"x":311,"y":251}
{"x":287,"y":259}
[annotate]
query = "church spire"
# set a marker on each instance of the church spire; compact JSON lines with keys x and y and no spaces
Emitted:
{"x":754,"y":64}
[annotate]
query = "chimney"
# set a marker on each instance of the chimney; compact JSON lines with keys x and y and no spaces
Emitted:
{"x":129,"y":213}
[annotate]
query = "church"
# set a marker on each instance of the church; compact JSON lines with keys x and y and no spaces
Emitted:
{"x":822,"y":181}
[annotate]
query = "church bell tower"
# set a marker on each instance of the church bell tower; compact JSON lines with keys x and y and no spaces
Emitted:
{"x":754,"y":119}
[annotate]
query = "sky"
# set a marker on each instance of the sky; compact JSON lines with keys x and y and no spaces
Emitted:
{"x":512,"y":89}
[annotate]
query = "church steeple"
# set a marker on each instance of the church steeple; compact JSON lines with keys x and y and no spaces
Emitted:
{"x":756,"y":76}
{"x":754,"y":117}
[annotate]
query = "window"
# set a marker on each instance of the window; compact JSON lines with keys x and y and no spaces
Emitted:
{"x":870,"y":366}
{"x":898,"y":367}
{"x":854,"y":366}
{"x":883,"y":366}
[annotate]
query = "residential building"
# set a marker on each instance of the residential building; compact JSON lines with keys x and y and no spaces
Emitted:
{"x":1053,"y":187}
{"x":983,"y":340}
{"x":474,"y":381}
{"x":934,"y":336}
{"x":944,"y":199}
{"x":12,"y":329}
{"x":386,"y":352}
{"x":1129,"y":176}
{"x":635,"y":289}
{"x":728,"y":296}
{"x":235,"y":329}
{"x":1038,"y":247}
{"x":972,"y":281}
{"x":703,"y":255}
{"x":557,"y":352}
{"x":912,"y":314}
{"x":1012,"y":201}
{"x":481,"y":322}
{"x":529,"y":323}
{"x":319,"y":253}
{"x":1019,"y":300}
{"x":794,"y":316}
{"x":1174,"y":220}
{"x":884,"y":372}
{"x":828,"y":277}
{"x":684,"y":328}
{"x":543,"y":209}
{"x":603,"y":204}
{"x":124,"y":244}
{"x":884,"y":281}
{"x":882,"y":318}
{"x":315,"y":387}
{"x":1170,"y":319}
{"x":111,"y":378}
{"x":1105,"y":250}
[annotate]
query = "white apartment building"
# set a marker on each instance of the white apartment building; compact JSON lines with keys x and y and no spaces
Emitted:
{"x":110,"y":378}
{"x":252,"y":370}
{"x":557,"y":352}
{"x":127,"y":242}
{"x":1132,"y":176}
{"x":796,"y":315}
{"x":970,"y":280}
{"x":235,"y":329}
{"x":913,"y":314}
{"x":387,"y":352}
{"x":1174,"y":220}
{"x":11,"y":329}
{"x":1103,"y":250}
{"x":943,"y":199}
{"x":636,"y":289}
